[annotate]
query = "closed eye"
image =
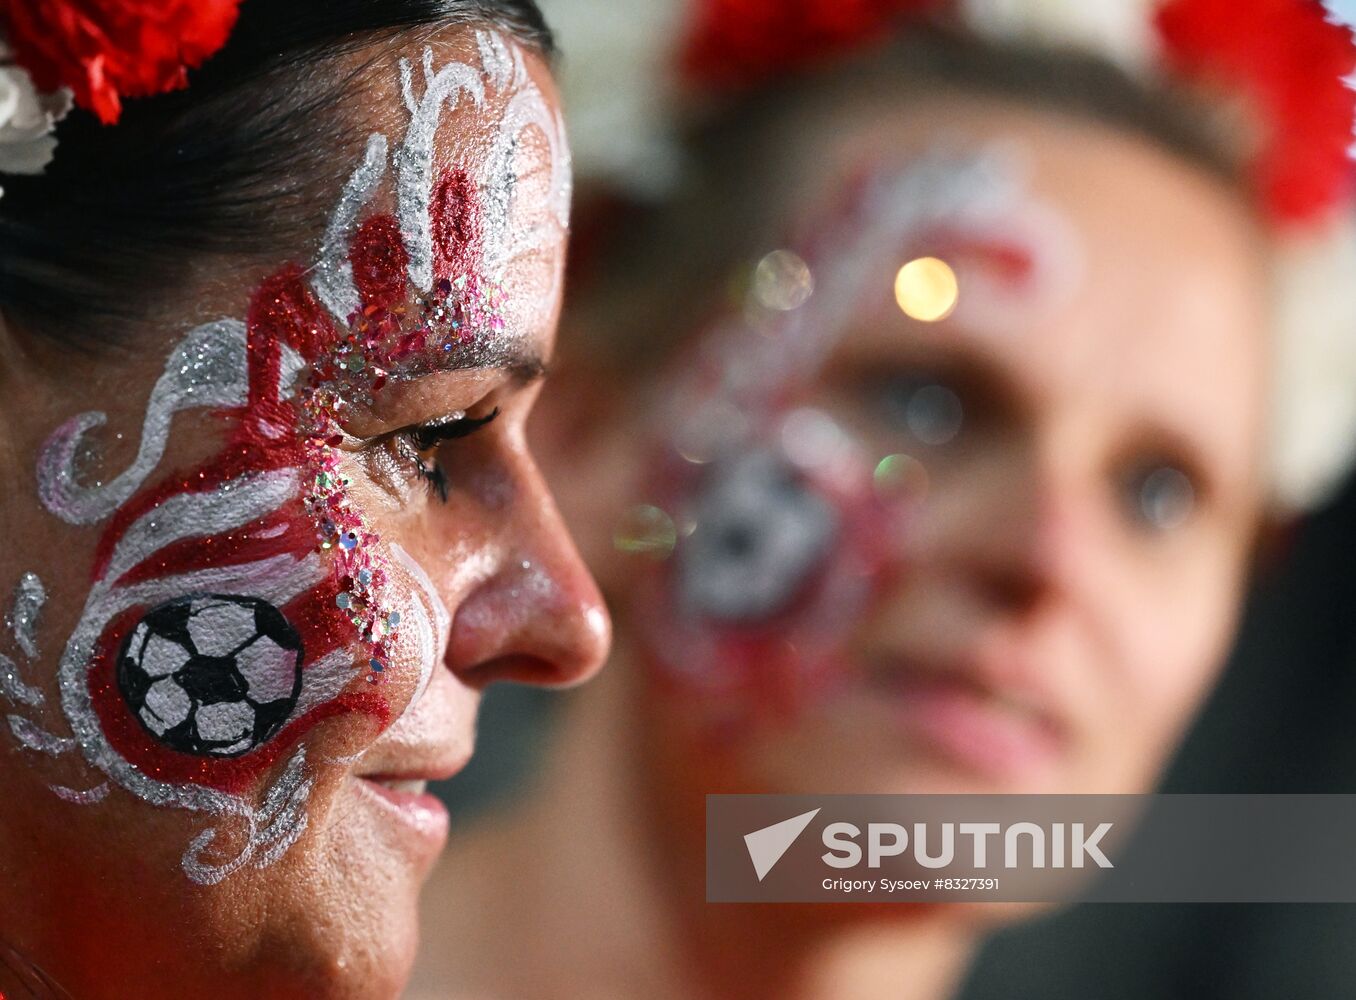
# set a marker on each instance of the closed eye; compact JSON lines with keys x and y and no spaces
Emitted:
{"x":418,"y":446}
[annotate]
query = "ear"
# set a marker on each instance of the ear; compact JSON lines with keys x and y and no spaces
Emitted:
{"x":589,"y":443}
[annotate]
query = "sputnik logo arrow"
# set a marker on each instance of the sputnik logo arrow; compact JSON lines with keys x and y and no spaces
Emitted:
{"x":766,"y":846}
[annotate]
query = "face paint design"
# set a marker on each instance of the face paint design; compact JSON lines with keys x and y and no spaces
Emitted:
{"x":788,"y":526}
{"x":235,"y":606}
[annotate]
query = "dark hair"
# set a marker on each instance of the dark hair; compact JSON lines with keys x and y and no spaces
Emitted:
{"x":679,"y":255}
{"x":223,"y":171}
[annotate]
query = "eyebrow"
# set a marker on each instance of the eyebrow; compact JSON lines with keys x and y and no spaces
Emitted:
{"x":522,"y":363}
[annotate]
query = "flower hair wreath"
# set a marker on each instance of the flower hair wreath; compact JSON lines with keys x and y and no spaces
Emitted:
{"x":1290,"y":60}
{"x":93,"y":53}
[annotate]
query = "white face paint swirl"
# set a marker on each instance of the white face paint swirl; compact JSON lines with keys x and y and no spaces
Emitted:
{"x":333,"y":279}
{"x":29,"y":598}
{"x":207,"y":370}
{"x":414,"y":159}
{"x":429,"y":620}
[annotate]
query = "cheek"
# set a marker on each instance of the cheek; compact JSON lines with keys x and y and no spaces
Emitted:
{"x":1173,"y":642}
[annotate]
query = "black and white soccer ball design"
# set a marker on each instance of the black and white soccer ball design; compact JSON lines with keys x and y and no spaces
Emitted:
{"x":212,"y":676}
{"x":761,"y":531}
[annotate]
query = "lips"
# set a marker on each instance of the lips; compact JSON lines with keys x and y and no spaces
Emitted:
{"x":405,"y":805}
{"x":393,"y":780}
{"x":401,"y":786}
{"x":1000,"y":731}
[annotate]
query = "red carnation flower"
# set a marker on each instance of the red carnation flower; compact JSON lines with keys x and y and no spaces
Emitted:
{"x":734,"y":43}
{"x":1289,"y":61}
{"x":105,"y":50}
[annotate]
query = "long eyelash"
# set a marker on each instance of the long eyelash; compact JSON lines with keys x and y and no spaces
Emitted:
{"x":435,"y":478}
{"x":428,"y":436}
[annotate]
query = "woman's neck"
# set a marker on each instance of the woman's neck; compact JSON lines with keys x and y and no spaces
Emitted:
{"x":803,"y":952}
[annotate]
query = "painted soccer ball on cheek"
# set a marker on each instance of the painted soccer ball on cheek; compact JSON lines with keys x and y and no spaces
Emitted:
{"x":214,"y":676}
{"x":748,"y":612}
{"x":237,"y":605}
{"x":760,"y":533}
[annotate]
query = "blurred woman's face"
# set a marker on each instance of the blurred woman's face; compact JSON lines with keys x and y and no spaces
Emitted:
{"x":976,"y":514}
{"x":254,"y":610}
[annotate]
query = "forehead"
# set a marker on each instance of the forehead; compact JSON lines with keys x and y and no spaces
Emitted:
{"x":1158,"y":306}
{"x":477,"y":145}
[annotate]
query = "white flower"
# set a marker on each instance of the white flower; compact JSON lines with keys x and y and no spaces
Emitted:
{"x":1120,"y":29}
{"x":27,"y":119}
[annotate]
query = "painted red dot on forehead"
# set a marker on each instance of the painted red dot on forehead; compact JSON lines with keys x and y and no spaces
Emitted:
{"x":457,"y":224}
{"x":379,"y":261}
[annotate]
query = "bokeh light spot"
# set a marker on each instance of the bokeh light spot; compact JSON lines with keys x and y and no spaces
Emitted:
{"x":782,"y":281}
{"x":934,"y":415}
{"x":927,"y":289}
{"x":645,"y":530}
{"x":900,"y":478}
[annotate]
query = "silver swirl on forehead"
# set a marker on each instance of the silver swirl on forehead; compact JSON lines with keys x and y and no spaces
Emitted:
{"x":414,"y":158}
{"x":525,"y":110}
{"x":333,"y":277}
{"x":502,"y":70}
{"x":207,"y":369}
{"x":496,"y":58}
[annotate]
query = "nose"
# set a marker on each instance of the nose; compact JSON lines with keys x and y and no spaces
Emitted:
{"x":537,"y":616}
{"x":1013,"y":530}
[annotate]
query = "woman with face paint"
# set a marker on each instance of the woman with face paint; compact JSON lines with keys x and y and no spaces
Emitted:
{"x":270,"y":339}
{"x":954,"y":488}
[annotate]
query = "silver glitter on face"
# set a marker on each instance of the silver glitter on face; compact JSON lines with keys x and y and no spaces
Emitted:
{"x":13,"y":688}
{"x":29,"y":597}
{"x":414,"y":159}
{"x":516,"y":224}
{"x":33,"y":737}
{"x":333,"y":277}
{"x":81,"y":797}
{"x":495,"y":58}
{"x":273,"y":827}
{"x":208,"y":369}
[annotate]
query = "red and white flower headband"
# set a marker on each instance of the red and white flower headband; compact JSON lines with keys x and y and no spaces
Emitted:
{"x":1287,"y":58}
{"x":94,"y":53}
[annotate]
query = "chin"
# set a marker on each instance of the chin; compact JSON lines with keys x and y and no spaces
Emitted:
{"x":360,"y":913}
